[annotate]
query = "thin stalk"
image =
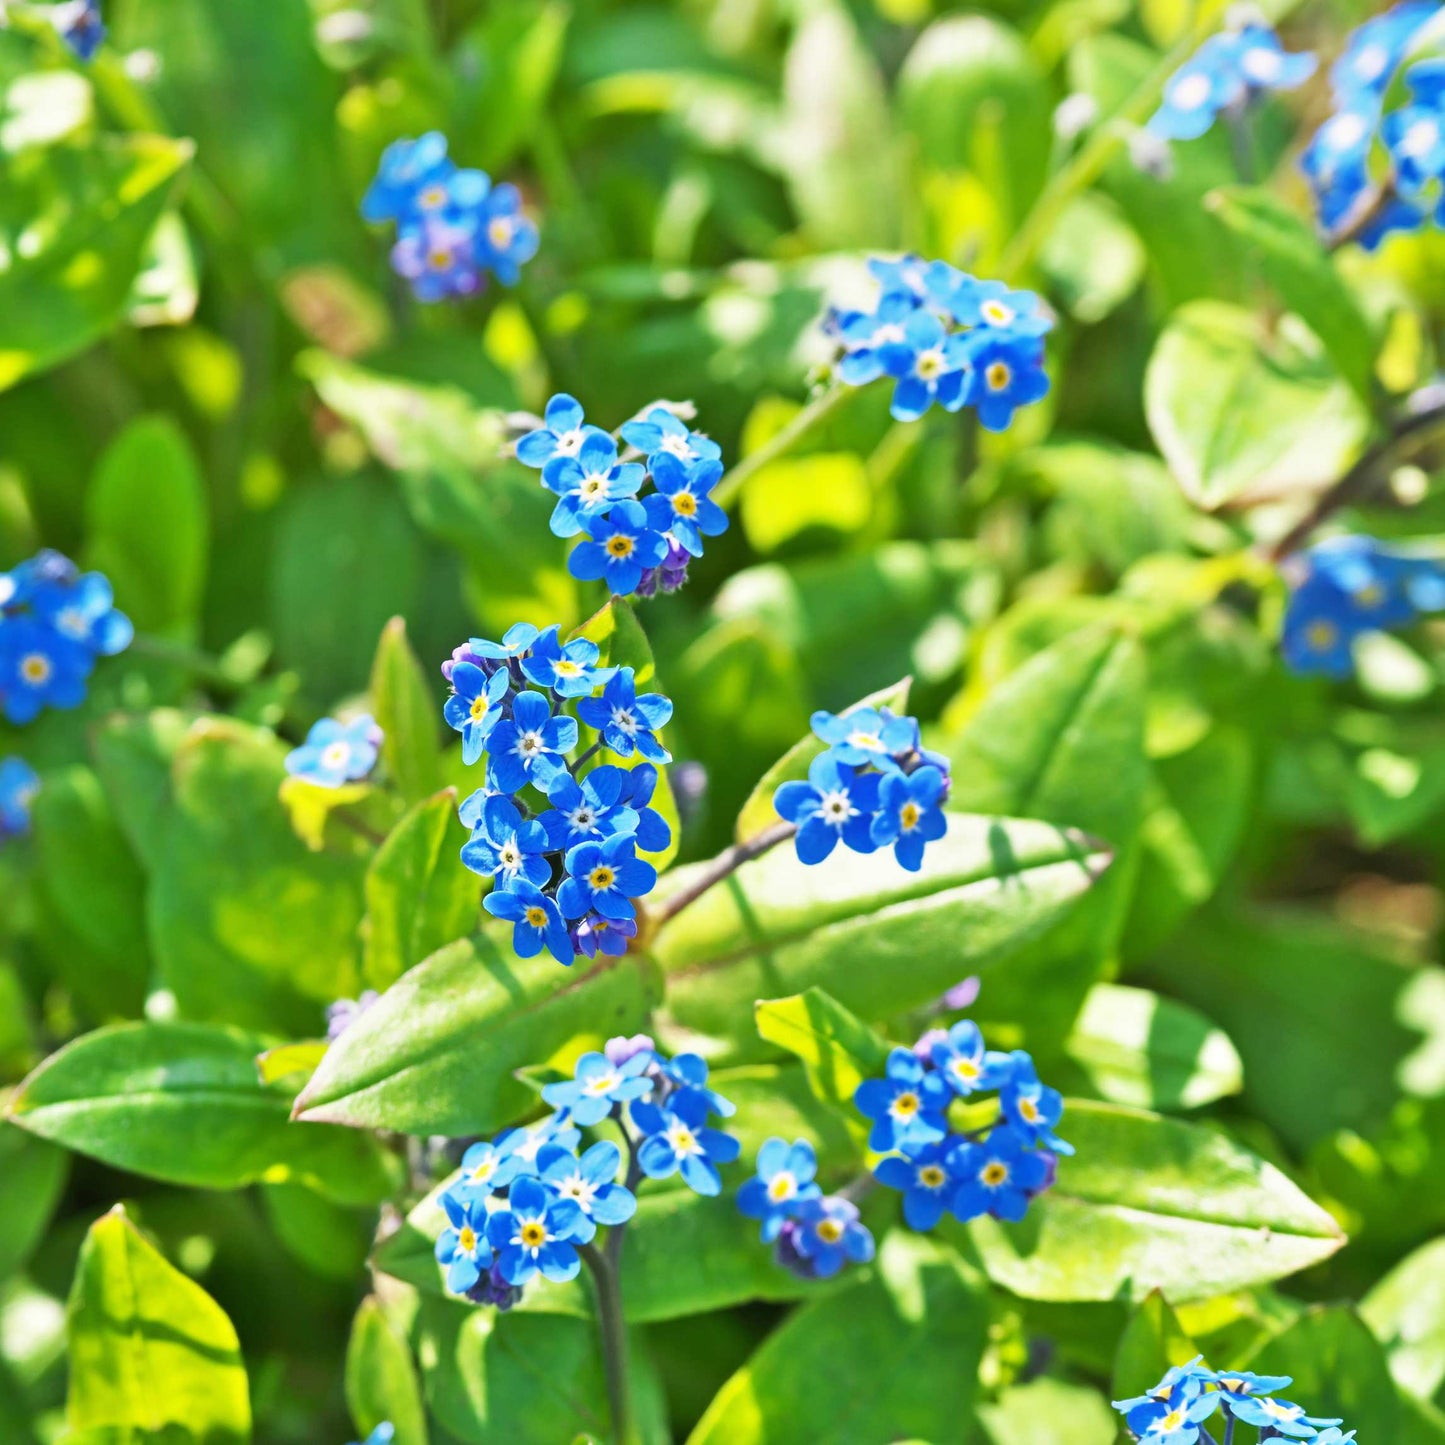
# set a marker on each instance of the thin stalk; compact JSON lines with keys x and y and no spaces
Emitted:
{"x":578,"y":762}
{"x":200,"y":665}
{"x":1229,"y":1431}
{"x":723,"y":866}
{"x":1241,"y":142}
{"x":821,"y":407}
{"x":613,"y":1328}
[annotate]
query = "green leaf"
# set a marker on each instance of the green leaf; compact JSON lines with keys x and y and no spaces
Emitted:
{"x":758,"y":812}
{"x":1049,"y":1412}
{"x":1406,"y":1312}
{"x":436,"y":1053}
{"x":146,"y":515}
{"x":408,"y":715}
{"x":838,"y":1050}
{"x":1152,"y":1344}
{"x":133,"y":755}
{"x":881,"y":940}
{"x":419,"y":896}
{"x":69,"y":284}
{"x":1152,"y":1203}
{"x":795,"y":496}
{"x":863,"y":1342}
{"x":1299,"y":268}
{"x":185,"y":1103}
{"x":328,"y":1239}
{"x":1241,"y":417}
{"x":1093,"y":257}
{"x":32,"y":1176}
{"x":381,"y":1379}
{"x":149,"y":1349}
{"x":1137,"y":1048}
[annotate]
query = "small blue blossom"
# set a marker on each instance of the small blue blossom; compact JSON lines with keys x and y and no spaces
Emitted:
{"x":1006,"y":372}
{"x":591,"y":1184}
{"x":587,"y":811}
{"x":525,"y":1143}
{"x":1238,"y":1383}
{"x":39,"y":668}
{"x":681,"y":505}
{"x":1176,"y":1419}
{"x":971,"y":302}
{"x":910,"y":814}
{"x":19,"y":786}
{"x":486,"y":1168}
{"x":689,"y":1072}
{"x":929,"y":365}
{"x":926,"y":1180}
{"x":907,"y":1106}
{"x":438,"y":257}
{"x":864,"y":334}
{"x":589,"y":484}
{"x":1375,"y":49}
{"x":998,"y":1176}
{"x":79,"y":24}
{"x":568,"y":668}
{"x":83,"y":610}
{"x":866,"y":736}
{"x":1188,"y":1380}
{"x":408,"y":169}
{"x":963,"y":1061}
{"x":475,"y":707}
{"x":462,"y":1246}
{"x":526,"y":746}
{"x":1415,"y":134}
{"x":507,"y":240}
{"x":537,"y":921}
{"x":677,"y":1139}
{"x":639,"y":785}
{"x":836,"y":804}
{"x":830,"y":1235}
{"x":629,"y":723}
{"x":516,"y":641}
{"x":620,"y":547}
{"x":536,"y":1234}
{"x":906,"y":276}
{"x":1032,"y":1108}
{"x":598,"y":1085}
{"x":604,"y":878}
{"x":609,"y":936}
{"x":784,"y":1181}
{"x":564,"y":431}
{"x":663,"y":434}
{"x":335,"y":753}
{"x":506,"y":847}
{"x":1284,"y":1417}
{"x":1336,"y":164}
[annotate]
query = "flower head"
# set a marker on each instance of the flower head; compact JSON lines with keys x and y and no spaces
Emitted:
{"x":19,"y":786}
{"x":628,"y":723}
{"x":639,"y":785}
{"x":599,"y":1086}
{"x":621,"y":546}
{"x":1375,"y":49}
{"x":836,"y":804}
{"x":661,"y":433}
{"x":526,"y":746}
{"x":506,"y":847}
{"x":568,"y":668}
{"x":677,"y":1139}
{"x":408,"y":170}
{"x":79,"y":24}
{"x":563,"y":434}
{"x":462,"y":1246}
{"x":926,"y":1180}
{"x":998,"y":1176}
{"x":866,"y":736}
{"x":475,"y":706}
{"x":589,"y":810}
{"x":907,"y":1105}
{"x":966,"y":1065}
{"x":590,"y":1183}
{"x":39,"y":668}
{"x":783,"y":1182}
{"x":335,"y":753}
{"x":681,"y":507}
{"x":1031,"y":1108}
{"x":525,"y":1143}
{"x":1284,"y":1417}
{"x":830,"y":1234}
{"x":929,"y":365}
{"x":506,"y":238}
{"x":537,"y":921}
{"x":486,"y":1169}
{"x":1006,"y":372}
{"x":605,"y":877}
{"x":910,"y":814}
{"x":595,"y":934}
{"x":537,"y":1233}
{"x":589,"y":484}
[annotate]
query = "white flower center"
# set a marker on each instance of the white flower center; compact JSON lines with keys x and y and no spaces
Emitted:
{"x":580,"y":1189}
{"x":678,"y":446}
{"x":623,"y":719}
{"x":569,"y":443}
{"x":1345,"y":131}
{"x":530,"y":744}
{"x":1189,"y":92}
{"x":1372,"y":61}
{"x":836,"y":808}
{"x":1262,"y":64}
{"x":335,"y":756}
{"x":601,"y":1084}
{"x":683,"y":1140}
{"x":1420,"y":139}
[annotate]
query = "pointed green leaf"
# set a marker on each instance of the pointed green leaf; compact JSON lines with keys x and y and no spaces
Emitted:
{"x":1153,"y":1343}
{"x":838,"y":1050}
{"x":409,"y":714}
{"x":1406,"y":1312}
{"x":32,"y":1175}
{"x":381,"y":1378}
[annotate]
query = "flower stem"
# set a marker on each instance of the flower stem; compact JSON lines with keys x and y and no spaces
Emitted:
{"x":200,"y":665}
{"x":608,"y":1280}
{"x":723,"y":866}
{"x":822,"y":406}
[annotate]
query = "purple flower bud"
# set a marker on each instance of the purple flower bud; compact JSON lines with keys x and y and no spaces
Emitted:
{"x":962,"y":994}
{"x":620,"y":1049}
{"x":924,"y":1047}
{"x":492,"y":1289}
{"x":596,"y":934}
{"x":785,"y":1252}
{"x":345,"y":1012}
{"x":1051,"y":1160}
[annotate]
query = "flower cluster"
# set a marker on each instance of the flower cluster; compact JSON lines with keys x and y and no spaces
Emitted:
{"x":524,"y":1202}
{"x":336,"y":753}
{"x":873,"y":787}
{"x":993,"y":1170}
{"x":565,"y":874}
{"x":79,"y":25}
{"x":945,"y":337}
{"x":452,"y":225}
{"x":1347,"y":586}
{"x":631,"y":542}
{"x":18,"y":787}
{"x":54,"y":623}
{"x":812,"y":1234}
{"x":1226,"y":74}
{"x":1174,"y":1411}
{"x":1337,"y":160}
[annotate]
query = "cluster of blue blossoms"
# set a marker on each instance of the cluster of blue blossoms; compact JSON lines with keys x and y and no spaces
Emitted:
{"x":1225,"y":76}
{"x":1176,"y":1410}
{"x":526,"y":1201}
{"x":54,"y":623}
{"x":945,"y":337}
{"x":452,"y":225}
{"x":994,"y":1170}
{"x":634,"y":544}
{"x":336,"y":753}
{"x":873,"y":787}
{"x":813,"y":1235}
{"x":1337,"y":161}
{"x":1347,"y":586}
{"x":18,"y":788}
{"x":565,"y":874}
{"x":79,"y":24}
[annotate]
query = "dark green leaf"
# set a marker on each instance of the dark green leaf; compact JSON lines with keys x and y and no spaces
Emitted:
{"x":32,"y":1175}
{"x":1153,"y":1343}
{"x":381,"y":1379}
{"x":408,"y":714}
{"x":1406,"y":1312}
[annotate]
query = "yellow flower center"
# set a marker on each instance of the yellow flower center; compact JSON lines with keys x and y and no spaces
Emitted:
{"x":619,"y":546}
{"x":998,"y":376}
{"x":908,"y":816}
{"x":931,"y":1176}
{"x":467,"y":1239}
{"x":780,"y":1187}
{"x":1321,"y":635}
{"x":994,"y":1174}
{"x":35,"y":669}
{"x":996,"y":313}
{"x":439,"y":259}
{"x":601,"y":877}
{"x":434,"y":197}
{"x":479,"y":707}
{"x":684,"y":504}
{"x":499,"y":231}
{"x":534,"y":1234}
{"x":929,"y":364}
{"x":565,"y":667}
{"x":537,"y":916}
{"x":1370,"y":595}
{"x":830,"y":1231}
{"x":1028,"y":1111}
{"x":906,"y":1104}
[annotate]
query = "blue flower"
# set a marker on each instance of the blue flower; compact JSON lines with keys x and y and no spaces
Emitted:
{"x":532,"y":736}
{"x":486,"y":1168}
{"x":1319,"y":630}
{"x":536,"y":1234}
{"x":462,"y":1246}
{"x":929,"y":365}
{"x":784,"y":1181}
{"x":408,"y":169}
{"x":926,"y":1180}
{"x":1368,"y":62}
{"x":1282,"y":1416}
{"x":830,"y":1234}
{"x":475,"y":707}
{"x":835,"y":805}
{"x":1415,"y":134}
{"x":525,"y":1143}
{"x":589,"y":810}
{"x":1007,"y":373}
{"x":662,"y":434}
{"x":335,"y":753}
{"x":998,"y":1176}
{"x":620,"y":547}
{"x":1187,"y":1380}
{"x":640,"y":783}
{"x":1238,"y":1383}
{"x":82,"y":609}
{"x":1264,"y":64}
{"x":604,"y":878}
{"x":538,"y":923}
{"x":963,"y":1061}
{"x":1375,"y":580}
{"x":39,"y":668}
{"x":562,"y":436}
{"x":972,"y":302}
{"x":1195,"y":94}
{"x":1173,"y":1420}
{"x":516,"y":641}
{"x":438,"y":257}
{"x":866,"y":736}
{"x":1031,"y":1108}
{"x":907,"y":1106}
{"x":79,"y":24}
{"x":506,"y":240}
{"x":1331,"y":1435}
{"x":681,"y":505}
{"x":590,"y":1183}
{"x":677,"y":1138}
{"x":589,"y":484}
{"x":907,"y":276}
{"x":910,"y":814}
{"x":689,"y":1071}
{"x":610,"y":936}
{"x":628,"y":723}
{"x":568,"y":668}
{"x":506,"y":847}
{"x":865,"y":333}
{"x":19,"y":785}
{"x":598,"y":1085}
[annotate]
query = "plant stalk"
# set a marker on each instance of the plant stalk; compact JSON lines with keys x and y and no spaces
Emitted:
{"x":723,"y":866}
{"x":821,"y":407}
{"x":613,"y":1328}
